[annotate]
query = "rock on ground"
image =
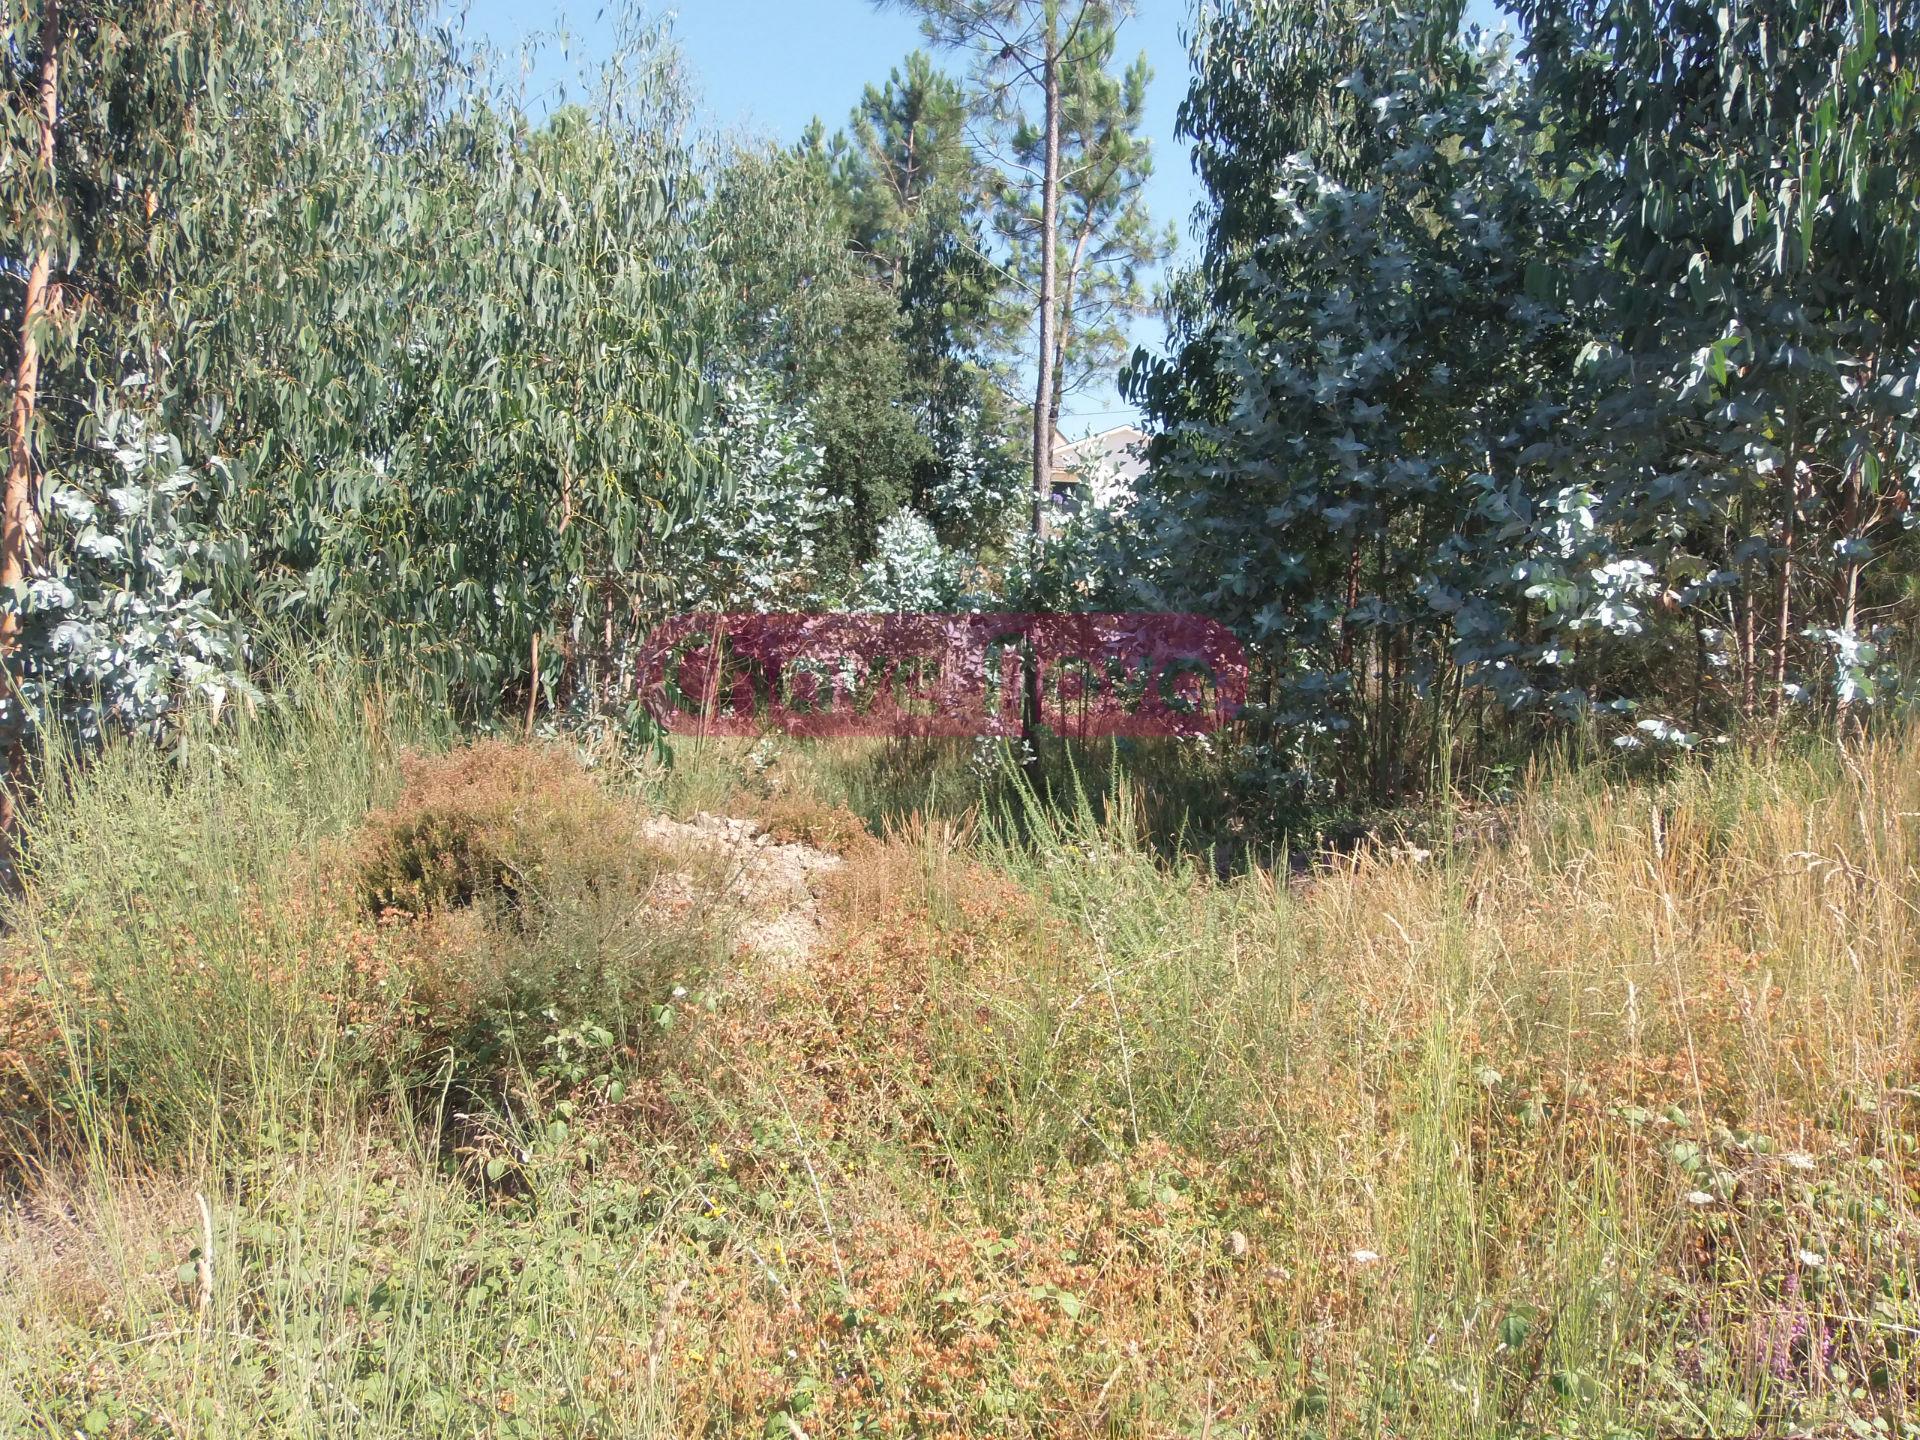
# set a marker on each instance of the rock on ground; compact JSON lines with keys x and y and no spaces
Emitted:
{"x":773,"y":884}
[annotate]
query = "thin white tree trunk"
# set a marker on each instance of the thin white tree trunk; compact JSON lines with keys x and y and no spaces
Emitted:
{"x":1851,"y":527}
{"x":1783,"y":622}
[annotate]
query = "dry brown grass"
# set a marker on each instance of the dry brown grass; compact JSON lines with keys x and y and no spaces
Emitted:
{"x":1622,"y":1106}
{"x":1607,"y":1127}
{"x":493,"y":818}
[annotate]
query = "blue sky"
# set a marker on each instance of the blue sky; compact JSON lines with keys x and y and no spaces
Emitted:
{"x":774,"y":64}
{"x":770,"y":66}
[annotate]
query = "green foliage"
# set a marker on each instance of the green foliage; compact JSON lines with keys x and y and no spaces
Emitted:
{"x":123,"y":625}
{"x":758,"y":545}
{"x":1267,"y":87}
{"x":854,"y":281}
{"x":442,"y":368}
{"x":872,"y":447}
{"x":506,"y":455}
{"x":1106,"y":242}
{"x":1339,"y":484}
{"x":1514,"y":399}
{"x":1070,"y":216}
{"x":440,"y":363}
{"x":775,"y":233}
{"x":1751,"y":396}
{"x":912,"y":187}
{"x":910,"y":570}
{"x":917,"y":195}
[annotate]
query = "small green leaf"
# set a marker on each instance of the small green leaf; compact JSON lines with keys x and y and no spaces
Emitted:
{"x":1514,"y":1330}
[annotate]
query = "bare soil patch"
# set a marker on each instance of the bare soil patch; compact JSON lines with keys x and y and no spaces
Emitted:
{"x":775,"y":884}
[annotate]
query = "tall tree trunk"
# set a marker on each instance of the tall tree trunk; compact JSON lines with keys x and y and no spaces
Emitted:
{"x":1062,"y":339}
{"x":1749,"y":646}
{"x":1063,"y":336}
{"x":1049,"y":266}
{"x":19,"y":508}
{"x":1850,"y":528}
{"x":1353,"y":603}
{"x":1043,"y":366}
{"x":1783,"y":625}
{"x":1699,"y":673}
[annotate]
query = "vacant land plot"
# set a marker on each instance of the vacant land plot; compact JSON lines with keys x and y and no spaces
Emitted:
{"x":461,"y":1095}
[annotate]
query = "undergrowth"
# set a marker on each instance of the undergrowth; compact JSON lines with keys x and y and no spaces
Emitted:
{"x":1597,"y":1120}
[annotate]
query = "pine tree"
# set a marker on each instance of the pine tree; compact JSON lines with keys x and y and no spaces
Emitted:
{"x":1106,"y":240}
{"x":914,"y":193}
{"x":1021,"y":51}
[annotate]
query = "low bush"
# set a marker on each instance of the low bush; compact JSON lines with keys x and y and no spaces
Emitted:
{"x":242,"y":933}
{"x":494,"y":819}
{"x":1599,"y":1123}
{"x":527,"y":903}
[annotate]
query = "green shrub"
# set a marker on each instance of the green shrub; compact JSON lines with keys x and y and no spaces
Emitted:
{"x":495,"y":819}
{"x":528,"y":906}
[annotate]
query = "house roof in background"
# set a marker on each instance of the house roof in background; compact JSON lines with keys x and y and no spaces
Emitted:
{"x":1115,"y":450}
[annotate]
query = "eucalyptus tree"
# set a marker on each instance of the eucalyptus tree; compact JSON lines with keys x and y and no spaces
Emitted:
{"x":42,"y":210}
{"x":1269,"y":83}
{"x":1339,"y":474}
{"x":773,"y":240}
{"x":1584,"y":388}
{"x":39,"y":211}
{"x":757,"y":545}
{"x":426,"y":372}
{"x":95,"y":97}
{"x":461,"y":390}
{"x":1757,"y":170}
{"x":1270,"y":80}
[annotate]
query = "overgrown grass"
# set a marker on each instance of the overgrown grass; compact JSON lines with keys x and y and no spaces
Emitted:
{"x":169,"y":915}
{"x":1181,"y":795}
{"x":1602,"y":1124}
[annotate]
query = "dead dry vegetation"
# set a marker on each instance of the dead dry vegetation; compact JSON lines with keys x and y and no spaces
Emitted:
{"x":519,"y":1108}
